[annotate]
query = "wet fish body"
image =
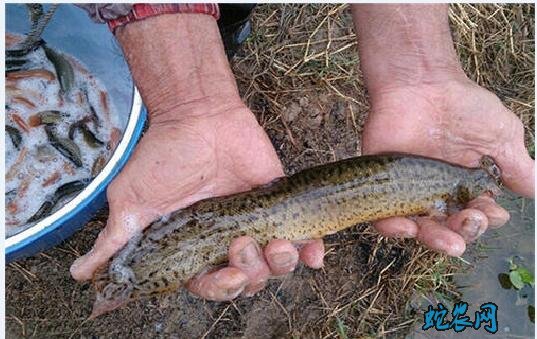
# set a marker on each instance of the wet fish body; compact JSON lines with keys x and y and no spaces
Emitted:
{"x":14,"y":65}
{"x":61,"y":192}
{"x":65,"y":146}
{"x":63,"y":68}
{"x":15,"y":136}
{"x":89,"y":137}
{"x":310,"y":204}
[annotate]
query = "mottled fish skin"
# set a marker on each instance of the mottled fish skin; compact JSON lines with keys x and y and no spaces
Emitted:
{"x":310,"y":204}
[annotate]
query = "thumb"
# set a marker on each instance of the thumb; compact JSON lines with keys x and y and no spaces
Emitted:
{"x":121,"y":226}
{"x":518,"y":169}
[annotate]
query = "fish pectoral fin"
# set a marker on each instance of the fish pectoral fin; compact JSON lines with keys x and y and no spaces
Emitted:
{"x":454,"y":206}
{"x":438,"y":210}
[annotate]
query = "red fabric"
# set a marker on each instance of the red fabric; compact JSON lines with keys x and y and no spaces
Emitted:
{"x":142,"y":11}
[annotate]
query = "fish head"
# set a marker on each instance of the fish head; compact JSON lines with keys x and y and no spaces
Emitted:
{"x":479,"y":181}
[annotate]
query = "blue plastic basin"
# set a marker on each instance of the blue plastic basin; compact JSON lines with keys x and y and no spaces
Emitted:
{"x":71,"y":31}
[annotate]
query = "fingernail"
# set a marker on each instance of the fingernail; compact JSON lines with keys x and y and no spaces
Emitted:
{"x":499,"y":219}
{"x":406,"y":234}
{"x":75,"y":273}
{"x":471,"y":229}
{"x":282,"y":259}
{"x":249,"y":255}
{"x":76,"y":263}
{"x":222,"y":279}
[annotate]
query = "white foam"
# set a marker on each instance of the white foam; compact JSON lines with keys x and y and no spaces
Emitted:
{"x":34,"y":173}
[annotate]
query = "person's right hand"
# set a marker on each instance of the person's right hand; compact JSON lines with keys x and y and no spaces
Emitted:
{"x":209,"y":152}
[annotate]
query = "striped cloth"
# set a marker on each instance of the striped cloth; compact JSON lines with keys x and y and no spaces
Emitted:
{"x":116,"y":15}
{"x":142,"y":11}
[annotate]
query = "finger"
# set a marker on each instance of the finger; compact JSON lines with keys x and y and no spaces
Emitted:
{"x":440,"y":238}
{"x":496,"y":215}
{"x":469,"y":223}
{"x":251,"y":289}
{"x":281,"y":256}
{"x":397,"y":227}
{"x":518,"y":169}
{"x":111,"y":239}
{"x":311,"y":252}
{"x":245,"y":254}
{"x":222,"y":285}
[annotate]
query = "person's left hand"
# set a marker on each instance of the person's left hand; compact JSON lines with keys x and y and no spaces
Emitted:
{"x":459,"y":122}
{"x":211,"y":150}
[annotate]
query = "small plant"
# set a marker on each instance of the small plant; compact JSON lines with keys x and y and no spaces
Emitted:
{"x":520,"y":276}
{"x":341,"y":329}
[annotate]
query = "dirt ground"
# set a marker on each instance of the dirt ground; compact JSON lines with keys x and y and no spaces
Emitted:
{"x":299,"y":74}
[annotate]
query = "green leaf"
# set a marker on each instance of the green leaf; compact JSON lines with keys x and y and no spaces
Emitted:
{"x":516,"y":280}
{"x":525,"y":276}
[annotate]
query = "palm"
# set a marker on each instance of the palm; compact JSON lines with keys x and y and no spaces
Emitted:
{"x":177,"y":164}
{"x":458,"y":122}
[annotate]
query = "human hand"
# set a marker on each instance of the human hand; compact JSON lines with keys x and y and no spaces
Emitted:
{"x":202,"y":142}
{"x":459,"y":122}
{"x":176,"y":163}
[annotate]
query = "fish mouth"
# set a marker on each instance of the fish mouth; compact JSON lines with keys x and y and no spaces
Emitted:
{"x":491,"y":167}
{"x":494,"y":191}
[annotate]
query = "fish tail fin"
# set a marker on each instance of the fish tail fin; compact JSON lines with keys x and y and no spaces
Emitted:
{"x":109,"y":295}
{"x":104,"y":304}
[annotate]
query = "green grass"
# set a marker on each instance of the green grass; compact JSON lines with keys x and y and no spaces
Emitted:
{"x":341,"y":329}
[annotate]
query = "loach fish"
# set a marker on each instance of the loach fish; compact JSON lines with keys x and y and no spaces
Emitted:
{"x":15,"y":136}
{"x":61,"y":192}
{"x":89,"y":137}
{"x":65,"y":146}
{"x":63,"y":68}
{"x":310,"y":204}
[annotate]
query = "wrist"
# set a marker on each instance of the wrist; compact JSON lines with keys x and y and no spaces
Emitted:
{"x":206,"y":112}
{"x":179,"y":65}
{"x":405,"y":45}
{"x":433,"y":101}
